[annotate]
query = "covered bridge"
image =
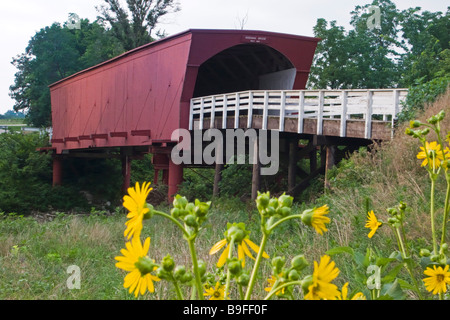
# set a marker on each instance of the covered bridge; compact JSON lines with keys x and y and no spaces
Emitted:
{"x":130,"y":105}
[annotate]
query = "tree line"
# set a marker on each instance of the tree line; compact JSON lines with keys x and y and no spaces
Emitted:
{"x":408,"y":48}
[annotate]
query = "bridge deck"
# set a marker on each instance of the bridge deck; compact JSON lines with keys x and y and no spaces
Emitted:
{"x":368,"y":114}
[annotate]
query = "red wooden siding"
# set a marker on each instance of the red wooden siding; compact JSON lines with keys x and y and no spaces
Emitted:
{"x":142,"y":96}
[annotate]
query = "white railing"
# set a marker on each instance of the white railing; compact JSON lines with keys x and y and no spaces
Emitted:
{"x":363,"y":105}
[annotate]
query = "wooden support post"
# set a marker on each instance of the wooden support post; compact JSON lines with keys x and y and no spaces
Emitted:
{"x":57,"y":171}
{"x":292,"y":167}
{"x":126,"y":173}
{"x":330,"y":161}
{"x":156,"y":177}
{"x":256,"y":177}
{"x":175,"y":178}
{"x":313,"y":160}
{"x":217,"y":179}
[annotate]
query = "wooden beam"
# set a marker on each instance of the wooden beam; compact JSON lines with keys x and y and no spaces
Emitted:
{"x":330,"y":161}
{"x":217,"y":179}
{"x":292,"y":166}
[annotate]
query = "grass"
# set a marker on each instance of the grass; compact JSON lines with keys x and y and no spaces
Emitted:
{"x":35,"y":252}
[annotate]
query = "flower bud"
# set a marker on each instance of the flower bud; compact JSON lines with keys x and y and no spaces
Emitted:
{"x":273,"y":203}
{"x":433,"y":120}
{"x":190,"y":220}
{"x":444,"y":248}
{"x":270,"y":211}
{"x":179,"y":272}
{"x":263,"y":199}
{"x":235,"y":266}
{"x":162,"y":274}
{"x":425,"y":131}
{"x":175,"y":212}
{"x":441,"y":115}
{"x":299,"y":262}
{"x":283,"y":211}
{"x":237,"y":232}
{"x":180,"y":202}
{"x":201,"y":267}
{"x":285,"y":201}
{"x":167,"y":263}
{"x":186,"y":277}
{"x":243,"y":279}
{"x":190,"y":207}
{"x":293,"y":275}
{"x":402,"y":205}
{"x":201,"y":208}
{"x":277,"y":264}
{"x":148,"y":214}
{"x":409,"y":132}
{"x":434,"y":257}
{"x":424,"y":253}
{"x":415,"y":123}
{"x":306,"y":282}
{"x":145,"y":265}
{"x":306,"y":217}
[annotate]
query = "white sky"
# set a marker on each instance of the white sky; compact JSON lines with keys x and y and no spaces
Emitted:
{"x":21,"y":19}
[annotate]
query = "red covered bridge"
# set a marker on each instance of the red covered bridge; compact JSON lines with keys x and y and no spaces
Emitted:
{"x":134,"y":102}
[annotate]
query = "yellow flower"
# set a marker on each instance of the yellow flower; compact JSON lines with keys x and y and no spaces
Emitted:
{"x":323,"y":274}
{"x":343,"y":295}
{"x":139,"y":266}
{"x":316,"y":218}
{"x":372,"y":223}
{"x":242,"y":251}
{"x":437,"y":280}
{"x":217,"y":293}
{"x":136,"y":204}
{"x":271,"y":282}
{"x":432,"y":155}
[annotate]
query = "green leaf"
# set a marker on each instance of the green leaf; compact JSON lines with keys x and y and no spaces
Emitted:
{"x":392,"y":274}
{"x":392,"y":291}
{"x":339,"y":250}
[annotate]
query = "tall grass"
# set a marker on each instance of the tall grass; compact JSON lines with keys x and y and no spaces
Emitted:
{"x":35,"y":253}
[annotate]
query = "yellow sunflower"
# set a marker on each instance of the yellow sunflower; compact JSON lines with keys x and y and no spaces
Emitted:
{"x":271,"y":282}
{"x":431,"y":155}
{"x":316,"y":218}
{"x":138,"y":265}
{"x":135,"y":203}
{"x":343,"y":294}
{"x":242,"y":251}
{"x":321,"y":287}
{"x":372,"y":223}
{"x":437,"y":280}
{"x":216,"y":293}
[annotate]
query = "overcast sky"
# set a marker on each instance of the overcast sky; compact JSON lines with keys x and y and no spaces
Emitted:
{"x":21,"y":19}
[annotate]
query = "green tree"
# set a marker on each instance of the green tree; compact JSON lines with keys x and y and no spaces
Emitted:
{"x":133,"y":26}
{"x":53,"y":53}
{"x":362,"y":57}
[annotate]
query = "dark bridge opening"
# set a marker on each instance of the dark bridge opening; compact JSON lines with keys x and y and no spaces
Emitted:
{"x":245,"y":67}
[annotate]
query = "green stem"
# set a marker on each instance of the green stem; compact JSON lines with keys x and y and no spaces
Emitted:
{"x":241,"y":292}
{"x":287,"y":284}
{"x":168,"y":216}
{"x":273,"y":226}
{"x":433,"y":229}
{"x":198,"y":281}
{"x":227,"y":284}
{"x":256,"y":267}
{"x":407,"y":262}
{"x":177,"y":289}
{"x":446,"y":208}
